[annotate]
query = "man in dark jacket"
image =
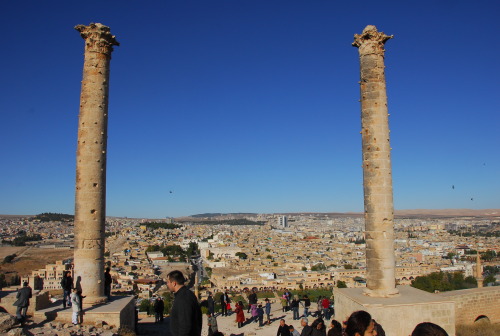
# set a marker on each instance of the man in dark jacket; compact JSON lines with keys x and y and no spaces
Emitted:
{"x":185,"y":316}
{"x":23,"y":301}
{"x":211,"y":304}
{"x":283,"y":329}
{"x":67,"y":286}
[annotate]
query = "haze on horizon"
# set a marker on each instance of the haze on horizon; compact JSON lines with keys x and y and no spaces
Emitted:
{"x":227,"y":106}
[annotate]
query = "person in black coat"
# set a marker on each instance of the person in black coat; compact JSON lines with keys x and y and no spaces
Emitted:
{"x":159,"y":306}
{"x":283,"y":329}
{"x":23,"y":297}
{"x":211,"y":304}
{"x":252,"y":299}
{"x":67,"y":286}
{"x":185,"y":316}
{"x":224,"y":300}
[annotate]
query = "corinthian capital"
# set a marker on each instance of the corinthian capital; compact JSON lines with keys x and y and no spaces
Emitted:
{"x":97,"y":38}
{"x":370,"y":40}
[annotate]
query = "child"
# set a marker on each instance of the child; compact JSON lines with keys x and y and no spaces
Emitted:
{"x":268,"y":311}
{"x":76,"y":304}
{"x":260,"y":314}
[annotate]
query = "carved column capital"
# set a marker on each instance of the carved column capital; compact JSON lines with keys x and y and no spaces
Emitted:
{"x":371,"y":41}
{"x":97,"y":38}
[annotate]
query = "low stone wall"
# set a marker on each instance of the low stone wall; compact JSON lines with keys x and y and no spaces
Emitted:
{"x":473,"y":303}
{"x":40,"y":300}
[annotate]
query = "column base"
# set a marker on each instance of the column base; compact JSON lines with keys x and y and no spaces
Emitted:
{"x":381,"y":293}
{"x":90,"y":301}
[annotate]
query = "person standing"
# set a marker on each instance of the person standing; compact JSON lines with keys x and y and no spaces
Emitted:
{"x":212,"y":324}
{"x":23,"y":297}
{"x":283,"y":329}
{"x":185,"y":316}
{"x":67,"y":286}
{"x":294,"y":305}
{"x":240,"y":315}
{"x":326,"y":308}
{"x":306,"y":302}
{"x":108,"y":280}
{"x":211,"y":304}
{"x":159,"y":306}
{"x":252,"y":300}
{"x":76,"y":305}
{"x":268,"y":310}
{"x":224,"y":300}
{"x":260,"y":315}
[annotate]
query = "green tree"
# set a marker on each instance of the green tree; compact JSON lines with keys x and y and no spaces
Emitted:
{"x":241,"y":255}
{"x":145,"y":306}
{"x":341,"y":284}
{"x":489,"y":279}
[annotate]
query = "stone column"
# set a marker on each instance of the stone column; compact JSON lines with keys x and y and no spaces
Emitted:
{"x":90,"y":200}
{"x":377,"y":179}
{"x":479,"y":271}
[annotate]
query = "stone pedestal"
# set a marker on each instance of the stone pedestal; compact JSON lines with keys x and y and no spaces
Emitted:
{"x":400,"y":314}
{"x":119,"y":312}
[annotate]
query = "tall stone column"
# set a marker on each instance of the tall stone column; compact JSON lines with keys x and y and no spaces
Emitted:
{"x":90,"y":200}
{"x":479,"y":271}
{"x":377,"y":175}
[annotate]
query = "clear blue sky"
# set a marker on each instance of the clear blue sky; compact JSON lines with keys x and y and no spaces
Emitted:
{"x":251,"y":106}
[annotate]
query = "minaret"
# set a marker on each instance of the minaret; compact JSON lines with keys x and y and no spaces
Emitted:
{"x":479,"y":271}
{"x":377,"y":175}
{"x":90,"y":198}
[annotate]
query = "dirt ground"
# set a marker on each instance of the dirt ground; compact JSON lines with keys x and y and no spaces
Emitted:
{"x":29,"y":259}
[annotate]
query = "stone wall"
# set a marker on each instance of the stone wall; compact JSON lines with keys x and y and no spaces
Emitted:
{"x":473,"y":303}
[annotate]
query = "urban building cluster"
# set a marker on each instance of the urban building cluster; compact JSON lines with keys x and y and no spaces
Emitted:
{"x":302,"y":251}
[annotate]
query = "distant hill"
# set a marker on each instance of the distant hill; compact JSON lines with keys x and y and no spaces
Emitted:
{"x":216,"y":214}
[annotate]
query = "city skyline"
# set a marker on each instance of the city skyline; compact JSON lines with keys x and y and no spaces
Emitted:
{"x":245,"y":106}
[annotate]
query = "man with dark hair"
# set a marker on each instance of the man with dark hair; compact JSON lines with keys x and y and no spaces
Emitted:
{"x":283,"y":329}
{"x":67,"y":286}
{"x":185,"y":316}
{"x":23,"y":301}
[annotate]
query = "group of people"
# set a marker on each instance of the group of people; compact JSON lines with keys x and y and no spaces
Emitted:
{"x":360,"y":323}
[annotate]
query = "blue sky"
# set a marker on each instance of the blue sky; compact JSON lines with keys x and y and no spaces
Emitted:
{"x":251,"y":106}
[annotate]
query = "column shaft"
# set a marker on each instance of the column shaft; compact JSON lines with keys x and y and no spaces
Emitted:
{"x":377,"y":175}
{"x":90,"y":198}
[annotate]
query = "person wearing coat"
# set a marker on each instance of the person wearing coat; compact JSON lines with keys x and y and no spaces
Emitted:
{"x":23,"y":297}
{"x":240,"y":315}
{"x":76,"y":305}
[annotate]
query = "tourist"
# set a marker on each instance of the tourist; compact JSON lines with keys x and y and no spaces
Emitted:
{"x":67,"y":286}
{"x":306,"y":329}
{"x":318,"y":327}
{"x":293,"y":332}
{"x":252,"y":299}
{"x":240,"y":315}
{"x":224,"y":301}
{"x":294,"y":306}
{"x":306,"y":303}
{"x":268,"y":310}
{"x":211,"y":304}
{"x":360,"y":323}
{"x":108,"y":280}
{"x":159,"y":306}
{"x":260,"y":315}
{"x":76,"y":304}
{"x":335,"y":328}
{"x":319,"y":306}
{"x":185,"y":316}
{"x":325,"y":303}
{"x":23,"y":297}
{"x":283,"y":329}
{"x":212,"y":324}
{"x":284,"y":303}
{"x":428,"y":329}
